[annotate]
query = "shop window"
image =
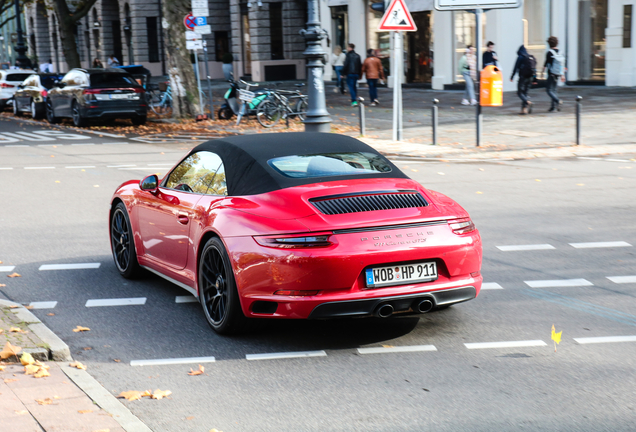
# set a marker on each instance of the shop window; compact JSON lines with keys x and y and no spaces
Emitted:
{"x":536,"y":27}
{"x":627,"y":26}
{"x":276,"y":30}
{"x":153,"y":39}
{"x":221,"y":44}
{"x":465,"y":35}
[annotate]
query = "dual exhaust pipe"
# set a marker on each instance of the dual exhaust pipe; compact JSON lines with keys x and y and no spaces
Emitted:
{"x":385,"y":310}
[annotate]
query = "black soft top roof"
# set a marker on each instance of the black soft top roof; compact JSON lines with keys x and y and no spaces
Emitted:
{"x":245,"y":159}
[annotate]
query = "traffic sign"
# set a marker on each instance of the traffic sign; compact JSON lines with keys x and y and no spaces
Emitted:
{"x":190,"y":35}
{"x":189,"y":21}
{"x":199,"y":4}
{"x":194,"y":44}
{"x":397,"y":18}
{"x":447,"y":5}
{"x":201,"y":30}
{"x":204,"y":12}
{"x":201,"y":21}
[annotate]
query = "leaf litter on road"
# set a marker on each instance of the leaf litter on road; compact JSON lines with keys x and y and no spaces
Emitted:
{"x":196,"y":372}
{"x":79,"y":328}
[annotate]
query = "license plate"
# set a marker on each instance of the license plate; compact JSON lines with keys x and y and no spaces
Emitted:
{"x":401,"y":274}
{"x":119,"y":96}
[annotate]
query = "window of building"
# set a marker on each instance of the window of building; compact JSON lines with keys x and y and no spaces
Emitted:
{"x":536,"y":27}
{"x":221,"y":44}
{"x":465,"y":35}
{"x":627,"y":26}
{"x":153,"y":39}
{"x":276,"y":30}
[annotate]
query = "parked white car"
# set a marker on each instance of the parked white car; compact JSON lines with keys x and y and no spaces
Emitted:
{"x":9,"y":82}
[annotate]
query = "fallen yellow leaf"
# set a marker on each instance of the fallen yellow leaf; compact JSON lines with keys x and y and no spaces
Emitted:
{"x":42,"y":373}
{"x":85,"y":411}
{"x":21,"y":412}
{"x":50,"y":314}
{"x":78,"y":365}
{"x":28,"y":307}
{"x":31,"y":369}
{"x":116,"y":360}
{"x":27,"y":359}
{"x":131,"y":395}
{"x":9,"y":350}
{"x":8,"y":380}
{"x":3,"y":285}
{"x":197,"y":372}
{"x":160,"y":394}
{"x":46,"y":401}
{"x":2,"y":368}
{"x":14,"y":275}
{"x":17,"y":330}
{"x":102,"y":430}
{"x":80,"y":329}
{"x":42,"y":365}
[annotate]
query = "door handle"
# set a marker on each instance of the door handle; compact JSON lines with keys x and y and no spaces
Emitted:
{"x":183,"y":219}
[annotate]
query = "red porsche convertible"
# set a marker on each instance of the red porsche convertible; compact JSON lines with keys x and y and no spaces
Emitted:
{"x":296,"y":225}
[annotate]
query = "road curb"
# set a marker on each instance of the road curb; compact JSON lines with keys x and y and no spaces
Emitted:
{"x":58,"y":349}
{"x":105,"y":399}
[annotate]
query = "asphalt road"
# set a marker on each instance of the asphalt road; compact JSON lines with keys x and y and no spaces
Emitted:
{"x":54,"y":206}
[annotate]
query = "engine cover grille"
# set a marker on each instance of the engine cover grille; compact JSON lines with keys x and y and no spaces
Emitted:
{"x":368,"y":201}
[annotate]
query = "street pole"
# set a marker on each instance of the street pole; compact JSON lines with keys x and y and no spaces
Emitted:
{"x":478,"y":38}
{"x":396,"y":68}
{"x":207,"y":74}
{"x":20,"y":47}
{"x":317,"y":118}
{"x":196,"y":61}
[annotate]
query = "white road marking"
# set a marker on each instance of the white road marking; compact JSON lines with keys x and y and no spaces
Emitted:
{"x":82,"y":144}
{"x":62,"y":135}
{"x":137,"y":301}
{"x":28,"y":136}
{"x":119,"y":166}
{"x":138,"y":168}
{"x":600,"y":244}
{"x":83,"y":167}
{"x":16,"y":145}
{"x":491,"y":286}
{"x":185,"y":299}
{"x":603,"y":159}
{"x":50,"y":145}
{"x":6,"y":268}
{"x":558,"y":283}
{"x":605,"y":339}
{"x":43,"y":305}
{"x":285,"y":355}
{"x":398,"y":349}
{"x":104,"y":134}
{"x":589,"y":158}
{"x":525,"y":247}
{"x":6,"y":168}
{"x":34,"y":168}
{"x":186,"y":360}
{"x":509,"y":344}
{"x":622,"y":279}
{"x":115,"y":143}
{"x":74,"y":266}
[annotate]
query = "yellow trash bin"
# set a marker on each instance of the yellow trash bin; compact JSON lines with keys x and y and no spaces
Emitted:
{"x":491,"y":86}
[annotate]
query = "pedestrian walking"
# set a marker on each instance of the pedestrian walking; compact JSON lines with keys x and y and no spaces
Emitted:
{"x":373,"y":70}
{"x":112,"y":61}
{"x":337,"y":60}
{"x":46,"y":67}
{"x":555,"y":63}
{"x":467,"y":67}
{"x":351,"y":70}
{"x":526,"y":67}
{"x":228,"y":67}
{"x":490,"y":56}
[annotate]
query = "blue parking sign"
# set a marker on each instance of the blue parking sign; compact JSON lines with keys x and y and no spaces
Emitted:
{"x":201,"y":21}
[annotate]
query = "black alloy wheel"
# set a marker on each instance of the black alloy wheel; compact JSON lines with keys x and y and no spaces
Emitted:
{"x":16,"y":110}
{"x":50,"y":113}
{"x":217,"y":290}
{"x":78,"y":120}
{"x":35,"y":111}
{"x":122,"y":242}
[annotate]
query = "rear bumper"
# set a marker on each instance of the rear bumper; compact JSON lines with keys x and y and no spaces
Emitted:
{"x":118,"y":110}
{"x":400,"y":304}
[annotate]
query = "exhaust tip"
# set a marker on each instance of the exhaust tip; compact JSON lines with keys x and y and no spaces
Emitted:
{"x":424,"y":306}
{"x":384,"y":311}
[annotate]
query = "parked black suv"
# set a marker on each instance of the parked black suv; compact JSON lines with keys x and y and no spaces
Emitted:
{"x":85,"y":94}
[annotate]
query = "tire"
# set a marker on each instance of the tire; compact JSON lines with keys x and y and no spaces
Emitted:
{"x":123,"y":243}
{"x":16,"y":111}
{"x":301,"y":107}
{"x":268,"y":113}
{"x":36,"y":112}
{"x":225,"y":113}
{"x":50,"y":114}
{"x":139,"y":121}
{"x":78,"y":120}
{"x":217,"y":290}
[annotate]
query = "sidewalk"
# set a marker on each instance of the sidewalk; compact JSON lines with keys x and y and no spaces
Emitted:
{"x":55,"y":403}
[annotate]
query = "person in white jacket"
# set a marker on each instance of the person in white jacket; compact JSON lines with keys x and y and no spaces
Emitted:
{"x":337,"y":60}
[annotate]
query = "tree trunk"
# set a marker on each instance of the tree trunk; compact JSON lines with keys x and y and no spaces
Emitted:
{"x":185,"y":94}
{"x":67,"y":34}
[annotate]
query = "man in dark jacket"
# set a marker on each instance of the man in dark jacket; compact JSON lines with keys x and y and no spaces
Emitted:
{"x":524,"y":67}
{"x":351,"y":70}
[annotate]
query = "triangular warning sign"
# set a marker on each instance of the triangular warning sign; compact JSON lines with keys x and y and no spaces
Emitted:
{"x":397,"y":17}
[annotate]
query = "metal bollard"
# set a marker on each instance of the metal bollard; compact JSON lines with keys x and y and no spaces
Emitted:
{"x":362,"y":119}
{"x":578,"y":120}
{"x":434,"y":118}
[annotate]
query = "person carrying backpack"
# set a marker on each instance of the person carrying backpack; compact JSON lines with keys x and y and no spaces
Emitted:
{"x":526,"y":66}
{"x":352,"y":69}
{"x":555,"y":63}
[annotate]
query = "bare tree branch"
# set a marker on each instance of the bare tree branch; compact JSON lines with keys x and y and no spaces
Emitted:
{"x":82,"y":9}
{"x":3,"y":23}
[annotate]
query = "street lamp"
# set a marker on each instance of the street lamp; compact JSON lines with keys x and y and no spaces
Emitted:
{"x":317,"y":118}
{"x":20,"y":47}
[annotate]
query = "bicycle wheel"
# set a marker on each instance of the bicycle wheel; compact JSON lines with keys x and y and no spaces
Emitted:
{"x":301,"y":108}
{"x":160,"y":103}
{"x":268,"y":113}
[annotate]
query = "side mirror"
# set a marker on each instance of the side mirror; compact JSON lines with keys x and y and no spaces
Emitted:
{"x":150,"y":184}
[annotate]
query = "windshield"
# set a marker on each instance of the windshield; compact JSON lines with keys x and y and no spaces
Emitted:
{"x":112,"y":80}
{"x":330,"y":164}
{"x":18,"y":76}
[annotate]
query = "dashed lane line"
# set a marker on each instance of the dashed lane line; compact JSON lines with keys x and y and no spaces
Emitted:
{"x":605,"y":339}
{"x":491,"y":286}
{"x":531,"y":247}
{"x":507,"y":344}
{"x":185,"y":299}
{"x":74,"y":266}
{"x":82,"y":167}
{"x":396,"y":349}
{"x":38,"y":168}
{"x":43,"y":305}
{"x":120,"y":166}
{"x":6,"y":168}
{"x":16,"y":145}
{"x":6,"y":268}
{"x":174,"y":361}
{"x":558,"y":283}
{"x":286,"y":355}
{"x":600,"y":245}
{"x":136,"y":301}
{"x":622,"y":279}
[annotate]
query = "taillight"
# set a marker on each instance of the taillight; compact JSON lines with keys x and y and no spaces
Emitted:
{"x":462,"y":226}
{"x":44,"y":93}
{"x":295,"y":242}
{"x":5,"y":85}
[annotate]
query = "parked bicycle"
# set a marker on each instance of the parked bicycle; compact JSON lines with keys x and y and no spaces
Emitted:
{"x":160,"y":100}
{"x":282,"y":104}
